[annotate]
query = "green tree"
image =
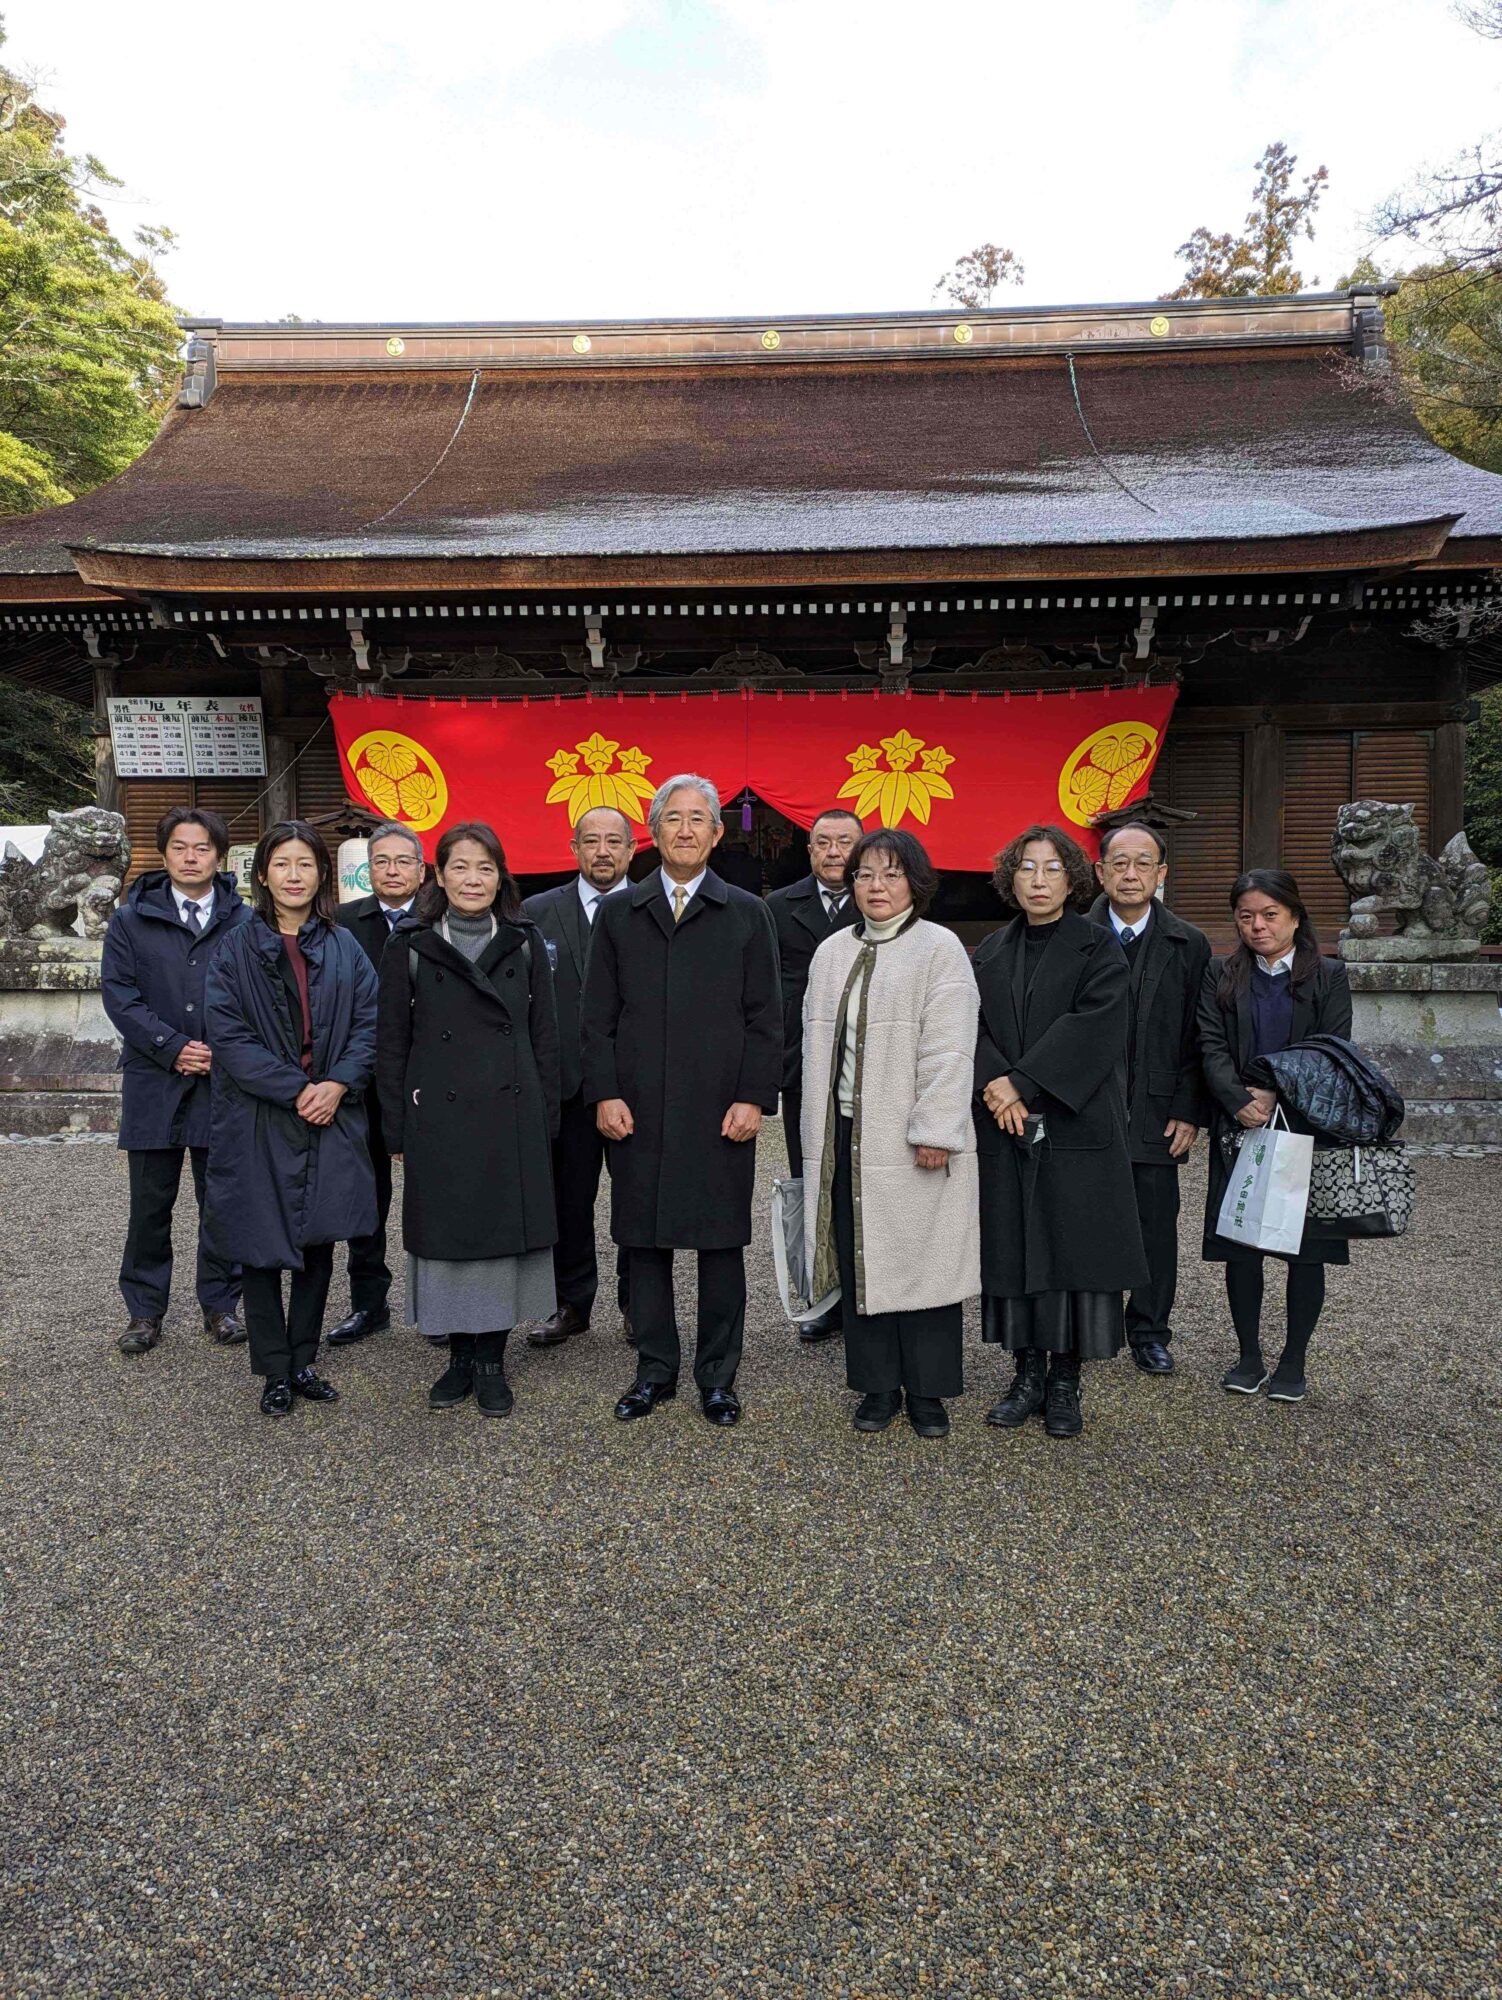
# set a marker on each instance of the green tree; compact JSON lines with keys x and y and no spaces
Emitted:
{"x":88,"y":343}
{"x":46,"y":754}
{"x":975,"y":278}
{"x":1483,"y":797}
{"x":1258,"y":262}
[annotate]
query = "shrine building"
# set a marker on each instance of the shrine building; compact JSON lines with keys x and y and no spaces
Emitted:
{"x":1218,"y":514}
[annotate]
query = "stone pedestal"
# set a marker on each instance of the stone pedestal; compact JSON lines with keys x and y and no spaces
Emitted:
{"x":1435,"y":1029}
{"x":57,"y":1049}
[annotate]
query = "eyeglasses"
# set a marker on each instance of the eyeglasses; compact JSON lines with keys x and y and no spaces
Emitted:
{"x":1040,"y":867}
{"x":887,"y":879}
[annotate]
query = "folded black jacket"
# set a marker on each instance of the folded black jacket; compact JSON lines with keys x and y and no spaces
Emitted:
{"x":1338,"y":1093}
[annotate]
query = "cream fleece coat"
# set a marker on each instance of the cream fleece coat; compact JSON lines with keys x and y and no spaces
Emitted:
{"x":917,"y":1232}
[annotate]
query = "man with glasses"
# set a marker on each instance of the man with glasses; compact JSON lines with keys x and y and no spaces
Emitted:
{"x":603,"y":844}
{"x":1166,"y":960}
{"x":804,"y":915}
{"x":396,"y":870}
{"x":682,"y":1049}
{"x":156,"y":960}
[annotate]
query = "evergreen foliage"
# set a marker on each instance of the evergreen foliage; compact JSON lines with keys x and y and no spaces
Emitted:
{"x":46,"y":755}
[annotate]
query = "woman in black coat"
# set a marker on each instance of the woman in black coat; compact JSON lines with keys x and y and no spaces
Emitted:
{"x":1060,"y":1240}
{"x":291,"y":1011}
{"x":468,"y":1075}
{"x":1272,"y":991}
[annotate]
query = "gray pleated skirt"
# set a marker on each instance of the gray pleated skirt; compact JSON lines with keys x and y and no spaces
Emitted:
{"x":482,"y":1295}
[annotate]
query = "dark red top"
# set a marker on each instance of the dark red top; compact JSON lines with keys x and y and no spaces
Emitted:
{"x":299,"y":967}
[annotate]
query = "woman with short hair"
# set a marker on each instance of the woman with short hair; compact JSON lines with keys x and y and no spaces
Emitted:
{"x":1060,"y":1239}
{"x":291,"y":1011}
{"x":1273,"y":990}
{"x":888,"y":1145}
{"x":468,"y":1074}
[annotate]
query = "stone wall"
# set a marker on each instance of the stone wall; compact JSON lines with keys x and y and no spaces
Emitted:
{"x":1436,"y":1030}
{"x":57,"y":1050}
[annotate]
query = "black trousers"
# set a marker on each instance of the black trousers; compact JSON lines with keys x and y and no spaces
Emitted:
{"x":285,"y":1337}
{"x":146,"y":1267}
{"x":721,"y":1319}
{"x":917,"y":1351}
{"x":1150,"y":1306}
{"x":578,"y":1157}
{"x":792,"y":1130}
{"x":369,"y":1273}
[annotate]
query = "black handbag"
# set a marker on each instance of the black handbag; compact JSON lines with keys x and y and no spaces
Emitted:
{"x":1362,"y":1190}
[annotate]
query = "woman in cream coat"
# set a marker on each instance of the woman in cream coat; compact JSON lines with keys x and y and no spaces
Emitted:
{"x":893,"y":1214}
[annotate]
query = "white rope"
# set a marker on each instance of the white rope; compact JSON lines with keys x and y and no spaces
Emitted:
{"x":474,"y":383}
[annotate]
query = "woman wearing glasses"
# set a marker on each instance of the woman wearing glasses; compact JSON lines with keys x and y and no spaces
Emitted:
{"x":1060,"y":1240}
{"x":888,"y":1144}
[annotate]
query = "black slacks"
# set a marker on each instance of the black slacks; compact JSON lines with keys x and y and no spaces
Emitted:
{"x":578,"y":1157}
{"x":146,"y":1266}
{"x":792,"y":1124}
{"x":1150,"y":1306}
{"x":921,"y":1351}
{"x":369,"y":1273}
{"x":721,"y":1318}
{"x":284,"y":1337}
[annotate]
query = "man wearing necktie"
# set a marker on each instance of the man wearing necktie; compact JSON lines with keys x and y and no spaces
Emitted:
{"x":156,"y":959}
{"x":396,"y":863}
{"x":603,"y":844}
{"x":804,"y":915}
{"x":1166,"y":1106}
{"x":682,"y":1054}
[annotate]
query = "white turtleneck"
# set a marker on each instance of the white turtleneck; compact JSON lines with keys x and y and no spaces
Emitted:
{"x":873,"y":933}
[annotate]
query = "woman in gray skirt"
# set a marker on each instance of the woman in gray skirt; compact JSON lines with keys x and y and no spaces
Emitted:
{"x":467,"y":1067}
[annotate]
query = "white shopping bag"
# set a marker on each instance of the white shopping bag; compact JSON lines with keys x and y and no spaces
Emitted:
{"x":1268,"y":1192}
{"x":788,"y":1254}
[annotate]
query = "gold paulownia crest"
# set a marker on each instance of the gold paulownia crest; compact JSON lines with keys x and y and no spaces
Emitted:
{"x":898,"y":790}
{"x":401,"y":778}
{"x":1102,"y":772}
{"x":626,"y":789}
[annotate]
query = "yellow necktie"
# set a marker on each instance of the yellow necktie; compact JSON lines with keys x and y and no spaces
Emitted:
{"x":680,"y":898}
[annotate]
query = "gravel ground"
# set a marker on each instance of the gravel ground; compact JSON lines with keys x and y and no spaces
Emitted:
{"x":376,"y":1702}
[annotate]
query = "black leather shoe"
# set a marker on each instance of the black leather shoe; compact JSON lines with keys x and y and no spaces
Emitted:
{"x":876,"y":1411}
{"x":812,"y":1332}
{"x":642,"y":1398}
{"x":359,"y":1326}
{"x":276,"y":1398}
{"x":1062,"y":1417}
{"x":562,"y":1326}
{"x":721,"y":1406}
{"x":1025,"y":1397}
{"x":928,"y":1416}
{"x":308,"y":1383}
{"x":223,"y":1327}
{"x":1152,"y":1357}
{"x":140,"y":1336}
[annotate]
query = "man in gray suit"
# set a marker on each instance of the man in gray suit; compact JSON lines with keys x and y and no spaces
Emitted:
{"x":603,"y":845}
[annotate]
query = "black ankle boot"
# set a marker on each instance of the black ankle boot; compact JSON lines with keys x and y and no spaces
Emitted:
{"x":491,"y":1392}
{"x":1025,"y":1397}
{"x":1061,"y":1411}
{"x":456,"y":1383}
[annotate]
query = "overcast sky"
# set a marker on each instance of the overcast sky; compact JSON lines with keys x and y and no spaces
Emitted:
{"x":448,"y":159}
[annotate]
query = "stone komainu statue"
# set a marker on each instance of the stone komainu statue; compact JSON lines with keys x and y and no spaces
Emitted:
{"x":83,"y":864}
{"x":1441,"y":905}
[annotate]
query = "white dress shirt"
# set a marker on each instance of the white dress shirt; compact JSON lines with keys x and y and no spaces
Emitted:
{"x":203,"y":904}
{"x":1125,"y":931}
{"x":590,"y":897}
{"x":1283,"y":964}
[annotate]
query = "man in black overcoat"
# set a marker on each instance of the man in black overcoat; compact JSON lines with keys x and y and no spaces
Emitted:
{"x":396,"y":872}
{"x":804,"y":914}
{"x":603,"y":845}
{"x":1166,"y":960}
{"x":152,"y":979}
{"x":682,"y":1047}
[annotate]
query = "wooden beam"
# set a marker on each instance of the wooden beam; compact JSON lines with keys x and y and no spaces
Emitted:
{"x":106,"y":777}
{"x":1447,"y":783}
{"x":1262,"y":794}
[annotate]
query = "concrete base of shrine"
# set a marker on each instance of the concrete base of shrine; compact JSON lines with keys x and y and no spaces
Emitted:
{"x":1436,"y":1030}
{"x":57,"y":1048}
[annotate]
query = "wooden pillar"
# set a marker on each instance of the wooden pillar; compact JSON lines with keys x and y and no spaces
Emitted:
{"x":280,"y":801}
{"x":1262,"y":822}
{"x":1447,"y":784}
{"x":106,"y":778}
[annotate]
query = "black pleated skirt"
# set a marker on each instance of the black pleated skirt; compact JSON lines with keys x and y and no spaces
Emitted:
{"x":1089,"y":1324}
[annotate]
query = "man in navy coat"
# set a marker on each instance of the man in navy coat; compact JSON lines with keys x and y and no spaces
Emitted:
{"x":156,"y":960}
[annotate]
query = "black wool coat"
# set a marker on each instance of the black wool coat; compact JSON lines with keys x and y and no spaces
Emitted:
{"x":1322,"y":1006}
{"x":468,"y":1077}
{"x":798,"y":915}
{"x":154,"y":981}
{"x":1165,"y":1078}
{"x":276,"y":1183}
{"x":364,"y":921}
{"x":682,"y":1021}
{"x":558,"y":915}
{"x":1061,"y":1215}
